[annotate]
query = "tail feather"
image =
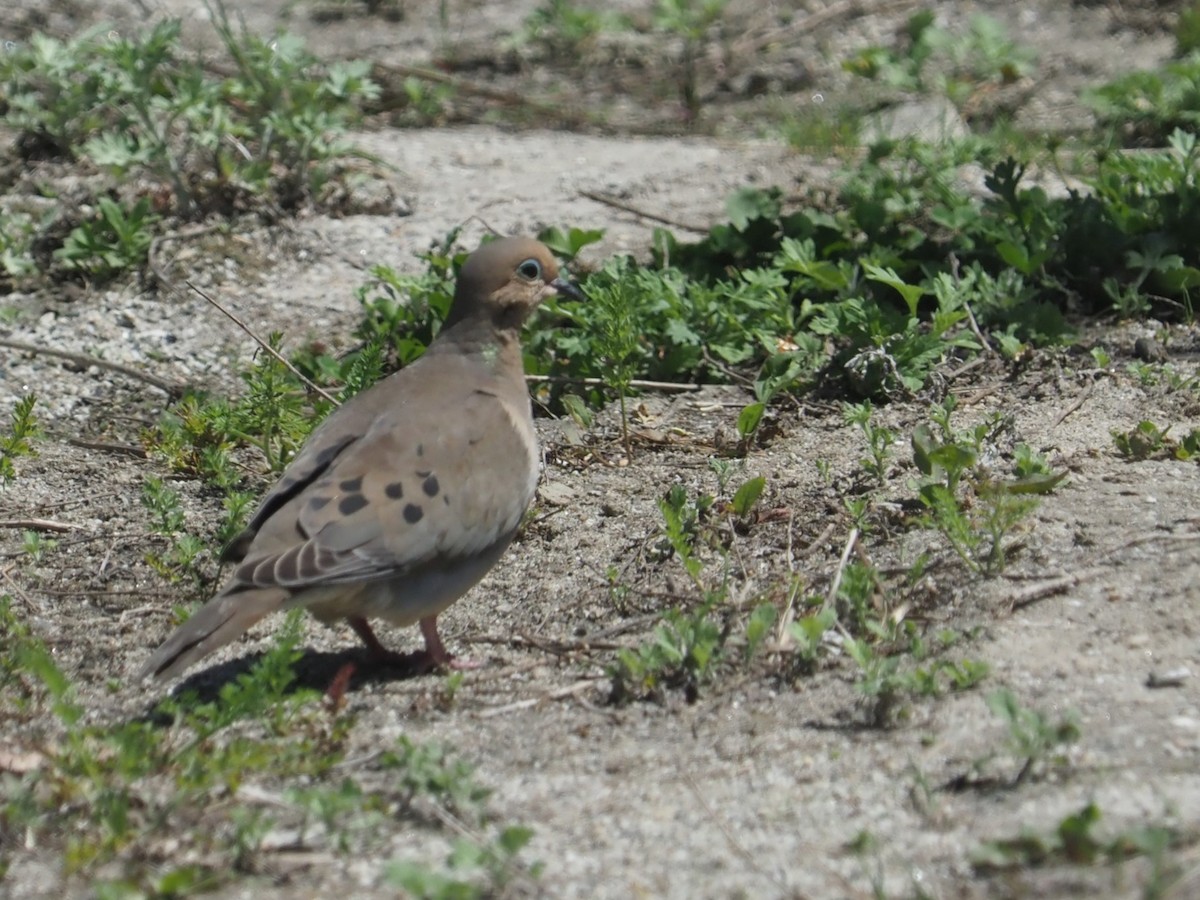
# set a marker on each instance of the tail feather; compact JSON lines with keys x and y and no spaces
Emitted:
{"x":214,"y":625}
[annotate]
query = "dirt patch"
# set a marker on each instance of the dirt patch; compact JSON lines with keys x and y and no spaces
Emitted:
{"x":762,"y":786}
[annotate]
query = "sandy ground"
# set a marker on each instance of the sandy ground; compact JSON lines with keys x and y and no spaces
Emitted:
{"x":757,"y":789}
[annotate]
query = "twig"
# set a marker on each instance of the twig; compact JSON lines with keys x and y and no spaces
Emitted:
{"x":510,"y":98}
{"x":1082,"y":399}
{"x":851,"y":539}
{"x":557,"y":694}
{"x":600,"y":382}
{"x":172,"y":389}
{"x":751,"y":45}
{"x":265,"y":346}
{"x":107,"y":447}
{"x":629,"y":208}
{"x":965,"y":368}
{"x":1036,"y":592}
{"x":37,"y":525}
{"x":181,"y":235}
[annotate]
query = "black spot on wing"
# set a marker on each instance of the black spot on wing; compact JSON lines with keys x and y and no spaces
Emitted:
{"x":318,"y":503}
{"x":352,"y":503}
{"x":394,"y":491}
{"x":413,"y":514}
{"x":430,"y":486}
{"x":292,"y":483}
{"x":351,"y":485}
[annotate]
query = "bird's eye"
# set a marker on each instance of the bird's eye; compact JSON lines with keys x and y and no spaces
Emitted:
{"x":531,"y":269}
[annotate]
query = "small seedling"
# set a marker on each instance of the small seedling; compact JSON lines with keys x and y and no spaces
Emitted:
{"x":879,"y":439}
{"x":1143,"y":441}
{"x":23,"y":431}
{"x":1033,"y":737}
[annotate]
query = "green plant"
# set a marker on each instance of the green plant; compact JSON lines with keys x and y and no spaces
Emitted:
{"x":184,"y":553}
{"x":974,"y":508}
{"x":933,"y":59}
{"x":16,"y":245}
{"x":473,"y":870}
{"x":135,"y":104}
{"x":618,"y":342}
{"x":689,"y":20}
{"x":1143,"y":441}
{"x":23,"y":431}
{"x":1074,"y":842}
{"x":567,"y":28}
{"x":1033,"y":737}
{"x":35,"y":545}
{"x":115,"y":242}
{"x":879,"y":439}
{"x":887,"y":681}
{"x":682,"y":653}
{"x":104,"y":787}
{"x":1187,"y":30}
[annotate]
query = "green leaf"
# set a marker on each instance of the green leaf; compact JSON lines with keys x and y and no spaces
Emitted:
{"x":912,"y":293}
{"x":749,"y":419}
{"x":747,"y":495}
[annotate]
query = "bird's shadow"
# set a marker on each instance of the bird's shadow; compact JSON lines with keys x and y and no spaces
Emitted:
{"x":316,"y":670}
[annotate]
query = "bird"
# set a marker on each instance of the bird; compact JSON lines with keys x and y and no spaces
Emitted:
{"x":406,"y":495}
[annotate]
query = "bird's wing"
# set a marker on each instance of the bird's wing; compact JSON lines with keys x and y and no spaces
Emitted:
{"x":423,"y":482}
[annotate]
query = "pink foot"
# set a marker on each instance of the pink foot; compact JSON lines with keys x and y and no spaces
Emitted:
{"x":434,"y":656}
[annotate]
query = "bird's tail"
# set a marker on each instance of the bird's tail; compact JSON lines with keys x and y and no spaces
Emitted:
{"x":214,"y":625}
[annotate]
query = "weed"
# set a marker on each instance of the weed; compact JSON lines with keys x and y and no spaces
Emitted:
{"x":473,"y":870}
{"x":115,"y":242}
{"x":183,"y":556}
{"x":1033,"y":737}
{"x":567,"y":28}
{"x":1143,"y":441}
{"x":137,"y":106}
{"x":16,"y":245}
{"x":879,"y":439}
{"x":1074,"y":842}
{"x":618,"y":341}
{"x":104,"y":789}
{"x":933,"y":59}
{"x":23,"y":431}
{"x":974,"y":509}
{"x":682,"y":654}
{"x":689,"y":20}
{"x":35,"y":545}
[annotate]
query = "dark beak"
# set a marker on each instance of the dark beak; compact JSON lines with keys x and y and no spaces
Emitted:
{"x":567,"y":289}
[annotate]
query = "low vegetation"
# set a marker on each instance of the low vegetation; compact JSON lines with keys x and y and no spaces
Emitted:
{"x":875,"y":297}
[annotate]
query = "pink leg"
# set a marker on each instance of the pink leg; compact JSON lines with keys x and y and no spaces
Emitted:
{"x":436,"y":650}
{"x":435,"y":655}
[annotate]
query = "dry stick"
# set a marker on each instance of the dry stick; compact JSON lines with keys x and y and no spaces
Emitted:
{"x":557,"y":694}
{"x":1082,"y":399}
{"x":170,"y":388}
{"x":789,"y":611}
{"x":181,"y":235}
{"x":267,"y":347}
{"x":108,"y":447}
{"x":842,"y":563}
{"x":600,"y":382}
{"x":511,"y":98}
{"x":1036,"y":592}
{"x":38,"y":525}
{"x":750,"y":46}
{"x":629,"y":208}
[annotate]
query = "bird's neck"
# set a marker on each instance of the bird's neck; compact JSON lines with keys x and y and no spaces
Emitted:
{"x":497,"y":347}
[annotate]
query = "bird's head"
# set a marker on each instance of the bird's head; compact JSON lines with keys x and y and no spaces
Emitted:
{"x":504,"y":282}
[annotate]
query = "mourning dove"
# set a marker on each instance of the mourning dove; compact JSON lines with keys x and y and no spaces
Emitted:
{"x":410,"y":492}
